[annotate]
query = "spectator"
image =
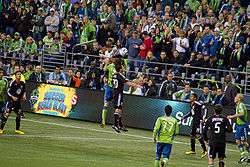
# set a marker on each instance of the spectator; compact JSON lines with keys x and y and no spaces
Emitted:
{"x":151,"y":89}
{"x":183,"y":95}
{"x":52,"y":21}
{"x":230,"y":91}
{"x":224,"y":54}
{"x":181,"y":44}
{"x":17,"y":43}
{"x":77,"y":79}
{"x":17,"y":68}
{"x":28,"y":72}
{"x":69,"y":78}
{"x":205,"y":97}
{"x":168,"y":87}
{"x":57,"y":77}
{"x":88,"y":31}
{"x":38,"y":76}
{"x":30,"y":47}
{"x":219,"y":98}
{"x":237,"y":59}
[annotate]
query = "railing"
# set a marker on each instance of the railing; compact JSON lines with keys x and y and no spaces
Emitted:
{"x":181,"y":72}
{"x":78,"y":60}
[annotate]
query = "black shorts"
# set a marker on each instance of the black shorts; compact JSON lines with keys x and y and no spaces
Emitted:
{"x":118,"y":100}
{"x":13,"y":106}
{"x":215,"y":149}
{"x":196,"y":128}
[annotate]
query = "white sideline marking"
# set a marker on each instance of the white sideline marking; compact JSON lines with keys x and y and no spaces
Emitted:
{"x":105,"y":131}
{"x":77,"y":138}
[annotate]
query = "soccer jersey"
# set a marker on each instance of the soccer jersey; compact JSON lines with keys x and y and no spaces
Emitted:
{"x":217,"y":125}
{"x":165,"y":129}
{"x":118,"y":82}
{"x":16,"y":89}
{"x":241,"y":109}
{"x":110,"y":70}
{"x":3,"y":88}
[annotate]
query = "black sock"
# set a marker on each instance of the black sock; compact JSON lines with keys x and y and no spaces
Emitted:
{"x":193,"y":144}
{"x":221,"y":164}
{"x":116,"y":116}
{"x":120,"y":121}
{"x":18,"y":121}
{"x":3,"y":121}
{"x":203,"y":146}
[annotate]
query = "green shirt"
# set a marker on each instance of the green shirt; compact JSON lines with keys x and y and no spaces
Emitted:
{"x":110,"y":70}
{"x":3,"y":88}
{"x":166,"y":127}
{"x":241,"y":109}
{"x":193,"y":4}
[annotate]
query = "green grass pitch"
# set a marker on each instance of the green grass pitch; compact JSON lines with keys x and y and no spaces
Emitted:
{"x":57,"y":142}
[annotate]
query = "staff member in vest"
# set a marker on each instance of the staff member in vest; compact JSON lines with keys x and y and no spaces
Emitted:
{"x":241,"y":127}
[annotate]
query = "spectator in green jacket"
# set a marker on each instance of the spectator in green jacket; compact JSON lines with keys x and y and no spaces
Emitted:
{"x":30,"y":47}
{"x":88,"y":31}
{"x":17,"y":43}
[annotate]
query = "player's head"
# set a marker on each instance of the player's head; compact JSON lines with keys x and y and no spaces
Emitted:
{"x":18,"y":75}
{"x":168,"y":110}
{"x":218,"y":108}
{"x":238,"y":98}
{"x":118,"y":68}
{"x":193,"y":97}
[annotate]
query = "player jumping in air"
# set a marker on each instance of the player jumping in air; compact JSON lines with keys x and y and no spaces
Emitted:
{"x":217,"y":126}
{"x":199,"y":113}
{"x":109,"y":70}
{"x":241,"y":128}
{"x":166,"y":127}
{"x":16,"y":93}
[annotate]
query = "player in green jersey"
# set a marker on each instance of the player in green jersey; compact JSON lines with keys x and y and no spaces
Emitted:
{"x":241,"y":127}
{"x":166,"y":127}
{"x":109,"y":71}
{"x":3,"y":89}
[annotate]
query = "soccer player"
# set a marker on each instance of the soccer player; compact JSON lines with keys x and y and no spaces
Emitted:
{"x":109,"y":70}
{"x":118,"y":85}
{"x":241,"y":127}
{"x":16,"y":93}
{"x":3,"y":90}
{"x":166,"y":127}
{"x":199,"y":113}
{"x":215,"y":131}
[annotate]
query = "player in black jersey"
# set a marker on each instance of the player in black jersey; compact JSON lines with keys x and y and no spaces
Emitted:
{"x":199,"y":113}
{"x":118,"y":85}
{"x":215,"y":134}
{"x":16,"y":93}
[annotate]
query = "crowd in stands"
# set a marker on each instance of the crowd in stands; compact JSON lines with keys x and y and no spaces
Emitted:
{"x":200,"y":33}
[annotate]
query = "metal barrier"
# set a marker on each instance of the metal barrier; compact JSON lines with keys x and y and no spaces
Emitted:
{"x":159,"y":70}
{"x":49,"y":57}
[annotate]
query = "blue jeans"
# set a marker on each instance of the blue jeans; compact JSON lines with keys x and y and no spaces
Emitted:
{"x":9,"y":30}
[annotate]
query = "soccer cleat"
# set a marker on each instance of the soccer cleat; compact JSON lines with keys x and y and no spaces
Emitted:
{"x":242,"y":160}
{"x":1,"y":131}
{"x":19,"y":132}
{"x":204,"y":154}
{"x":116,"y":129}
{"x":102,"y":125}
{"x":124,"y":129}
{"x":190,"y":152}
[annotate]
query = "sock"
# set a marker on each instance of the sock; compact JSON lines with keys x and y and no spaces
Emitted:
{"x":192,"y":144}
{"x":211,"y":165}
{"x":120,"y":121}
{"x":104,"y":115}
{"x":18,"y":120}
{"x":203,"y":146}
{"x":165,"y":161}
{"x":221,"y":163}
{"x":240,"y":147}
{"x":248,"y":148}
{"x":116,"y":116}
{"x":3,"y":121}
{"x":157,"y":163}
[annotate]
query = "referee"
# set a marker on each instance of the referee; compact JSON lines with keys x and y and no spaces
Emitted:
{"x":16,"y":93}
